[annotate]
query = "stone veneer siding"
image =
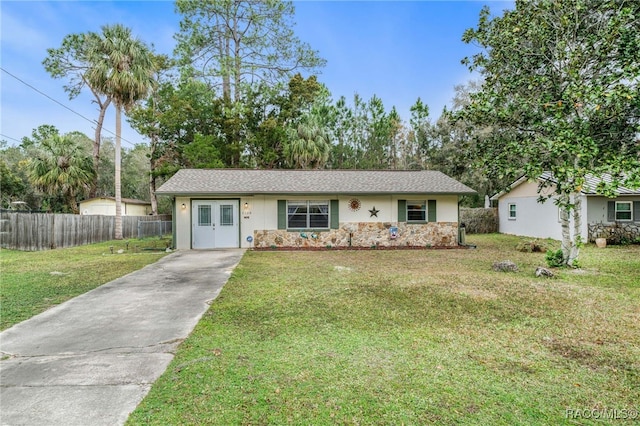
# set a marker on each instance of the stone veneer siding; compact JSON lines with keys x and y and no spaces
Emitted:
{"x":617,"y":233}
{"x":363,"y":234}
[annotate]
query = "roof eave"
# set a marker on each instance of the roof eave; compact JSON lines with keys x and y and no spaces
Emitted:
{"x":360,"y":193}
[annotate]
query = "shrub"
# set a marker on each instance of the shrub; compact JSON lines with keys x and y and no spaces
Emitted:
{"x":555,"y":258}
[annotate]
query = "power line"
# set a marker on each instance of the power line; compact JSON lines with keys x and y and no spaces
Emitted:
{"x":9,"y":137}
{"x":62,"y":105}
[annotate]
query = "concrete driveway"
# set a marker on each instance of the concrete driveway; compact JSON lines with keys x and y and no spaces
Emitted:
{"x":91,"y":360}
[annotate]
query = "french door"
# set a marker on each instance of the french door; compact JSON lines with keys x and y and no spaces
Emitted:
{"x":215,"y":224}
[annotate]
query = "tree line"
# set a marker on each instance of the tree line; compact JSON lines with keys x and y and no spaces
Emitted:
{"x":50,"y":172}
{"x":558,"y":91}
{"x":232,"y":95}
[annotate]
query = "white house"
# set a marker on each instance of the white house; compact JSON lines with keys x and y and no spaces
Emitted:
{"x":313,"y":208}
{"x":520,"y":213}
{"x":107,"y":206}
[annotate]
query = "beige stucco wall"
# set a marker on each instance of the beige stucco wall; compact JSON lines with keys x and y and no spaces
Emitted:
{"x":183,"y":223}
{"x":137,"y":209}
{"x":528,"y":189}
{"x":261,"y":214}
{"x":106,"y":207}
{"x":446,"y":207}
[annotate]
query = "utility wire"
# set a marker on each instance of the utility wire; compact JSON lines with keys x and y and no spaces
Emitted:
{"x":62,"y":105}
{"x":9,"y":137}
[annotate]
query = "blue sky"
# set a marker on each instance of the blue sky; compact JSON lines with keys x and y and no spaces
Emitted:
{"x":396,"y":50}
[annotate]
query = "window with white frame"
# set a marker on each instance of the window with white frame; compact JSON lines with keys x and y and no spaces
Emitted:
{"x":512,"y":211}
{"x":562,"y":211}
{"x":416,"y":211}
{"x":624,"y":210}
{"x":204,"y":215}
{"x":307,"y":214}
{"x":226,"y":215}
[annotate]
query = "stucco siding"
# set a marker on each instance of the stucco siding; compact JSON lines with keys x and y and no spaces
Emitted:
{"x":528,"y":189}
{"x":541,"y":220}
{"x":183,"y":223}
{"x":597,"y":211}
{"x":135,"y":209}
{"x":259,"y":213}
{"x":99,"y":207}
{"x":534,"y":219}
{"x":107,"y":207}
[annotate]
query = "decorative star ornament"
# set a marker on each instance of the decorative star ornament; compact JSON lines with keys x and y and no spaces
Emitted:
{"x":374,"y":212}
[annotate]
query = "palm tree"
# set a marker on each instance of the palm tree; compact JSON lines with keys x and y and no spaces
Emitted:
{"x":62,"y":166}
{"x":72,"y":61}
{"x":308,"y":145}
{"x":122,"y":68}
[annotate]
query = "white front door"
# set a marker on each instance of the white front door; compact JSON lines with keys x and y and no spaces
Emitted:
{"x":215,"y":224}
{"x":227,"y":226}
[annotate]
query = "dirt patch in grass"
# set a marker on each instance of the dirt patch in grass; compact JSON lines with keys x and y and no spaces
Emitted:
{"x":580,"y":352}
{"x":408,"y":337}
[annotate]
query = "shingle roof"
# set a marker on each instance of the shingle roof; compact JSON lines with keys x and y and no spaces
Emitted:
{"x":592,"y":182}
{"x":589,"y":188}
{"x":249,"y":181}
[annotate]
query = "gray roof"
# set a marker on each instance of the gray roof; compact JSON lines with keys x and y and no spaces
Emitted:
{"x":249,"y":181}
{"x":592,"y":182}
{"x":589,"y":188}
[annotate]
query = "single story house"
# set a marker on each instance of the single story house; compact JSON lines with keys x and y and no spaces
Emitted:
{"x":216,"y":208}
{"x":106,"y":206}
{"x":520,"y":213}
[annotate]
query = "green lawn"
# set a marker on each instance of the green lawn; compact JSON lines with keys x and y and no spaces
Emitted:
{"x":409,"y":337}
{"x":31,"y":282}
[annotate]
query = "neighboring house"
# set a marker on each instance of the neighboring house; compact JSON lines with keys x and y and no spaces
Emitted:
{"x":106,"y":206}
{"x":313,"y":208}
{"x":520,"y":213}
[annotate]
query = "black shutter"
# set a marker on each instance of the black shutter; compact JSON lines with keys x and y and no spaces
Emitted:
{"x":636,"y":211}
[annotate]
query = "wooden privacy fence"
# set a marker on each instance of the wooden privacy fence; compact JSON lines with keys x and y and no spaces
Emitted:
{"x":42,"y":231}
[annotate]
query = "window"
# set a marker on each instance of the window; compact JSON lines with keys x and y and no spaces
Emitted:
{"x":204,"y":215}
{"x":512,"y":211}
{"x":562,"y":211}
{"x":308,"y":214}
{"x":416,"y":211}
{"x":226,"y":215}
{"x":412,"y":211}
{"x":623,"y":210}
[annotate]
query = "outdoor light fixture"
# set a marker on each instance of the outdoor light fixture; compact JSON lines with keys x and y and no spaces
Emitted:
{"x":246,"y":206}
{"x":184,"y":206}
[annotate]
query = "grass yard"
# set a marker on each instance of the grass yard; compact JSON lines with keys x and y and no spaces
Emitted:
{"x":410,"y":337}
{"x":32,"y":282}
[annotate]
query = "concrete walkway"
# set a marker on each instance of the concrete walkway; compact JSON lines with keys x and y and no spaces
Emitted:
{"x":91,"y":360}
